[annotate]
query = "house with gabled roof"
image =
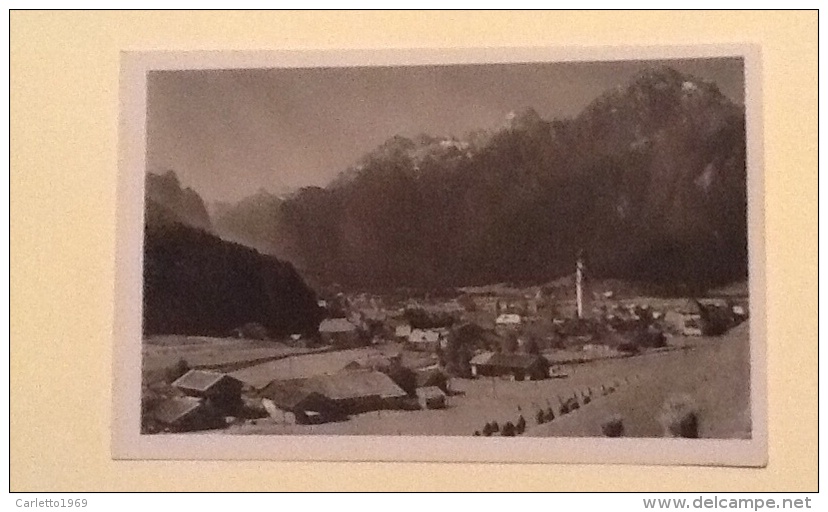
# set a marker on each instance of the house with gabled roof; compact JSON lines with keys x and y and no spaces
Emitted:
{"x":359,"y":390}
{"x":221,"y":390}
{"x":431,"y":397}
{"x":187,"y":413}
{"x":290,"y":401}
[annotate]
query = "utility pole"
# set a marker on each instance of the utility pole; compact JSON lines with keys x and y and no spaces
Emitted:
{"x":579,"y":284}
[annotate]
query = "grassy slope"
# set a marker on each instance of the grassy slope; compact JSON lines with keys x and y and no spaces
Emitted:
{"x":716,"y":375}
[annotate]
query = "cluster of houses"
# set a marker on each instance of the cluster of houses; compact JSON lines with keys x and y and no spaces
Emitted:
{"x":204,"y":399}
{"x":209,"y":399}
{"x":364,"y":318}
{"x":500,"y":299}
{"x":701,"y":318}
{"x":367,"y":321}
{"x":692,"y":318}
{"x":421,"y":340}
{"x":530,"y":315}
{"x":525,"y":315}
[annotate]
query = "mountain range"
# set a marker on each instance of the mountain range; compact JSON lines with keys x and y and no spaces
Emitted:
{"x":167,"y":202}
{"x":198,"y":284}
{"x":649,"y":180}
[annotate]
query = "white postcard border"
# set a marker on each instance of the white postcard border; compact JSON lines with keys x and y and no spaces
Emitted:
{"x":127,"y":441}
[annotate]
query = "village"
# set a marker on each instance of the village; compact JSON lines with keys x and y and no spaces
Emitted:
{"x":433,"y":365}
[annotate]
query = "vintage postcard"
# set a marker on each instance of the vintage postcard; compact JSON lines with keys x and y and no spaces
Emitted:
{"x":505,"y":255}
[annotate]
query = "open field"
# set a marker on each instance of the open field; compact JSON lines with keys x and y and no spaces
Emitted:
{"x":256,"y":362}
{"x":162,"y":352}
{"x":713,"y":371}
{"x":300,"y":367}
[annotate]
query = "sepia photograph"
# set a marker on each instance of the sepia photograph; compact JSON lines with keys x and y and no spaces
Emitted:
{"x":412,"y":255}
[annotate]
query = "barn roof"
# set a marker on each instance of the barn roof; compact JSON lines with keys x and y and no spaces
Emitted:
{"x":293,"y":394}
{"x":300,"y":366}
{"x":355,"y":384}
{"x":176,"y":409}
{"x":200,"y":380}
{"x":370,"y":362}
{"x":336,"y":325}
{"x":520,"y":361}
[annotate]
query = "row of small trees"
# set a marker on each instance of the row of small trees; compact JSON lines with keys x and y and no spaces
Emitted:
{"x":679,"y":417}
{"x":542,"y":416}
{"x":508,"y":429}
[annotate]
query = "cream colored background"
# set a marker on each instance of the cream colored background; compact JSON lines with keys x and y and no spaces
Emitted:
{"x":64,"y":111}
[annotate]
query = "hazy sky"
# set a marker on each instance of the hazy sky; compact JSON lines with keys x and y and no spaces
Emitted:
{"x":229,"y":133}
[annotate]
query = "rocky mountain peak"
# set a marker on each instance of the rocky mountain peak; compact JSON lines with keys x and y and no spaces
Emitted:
{"x":167,"y":200}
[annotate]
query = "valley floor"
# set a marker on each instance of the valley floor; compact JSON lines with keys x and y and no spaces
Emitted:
{"x":713,"y":372}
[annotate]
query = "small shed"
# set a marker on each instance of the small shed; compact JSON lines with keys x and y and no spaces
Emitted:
{"x":431,"y":397}
{"x":480,"y":361}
